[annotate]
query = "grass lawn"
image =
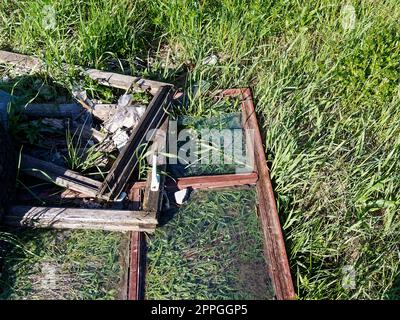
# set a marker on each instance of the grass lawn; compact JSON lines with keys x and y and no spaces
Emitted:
{"x":62,"y":265}
{"x":327,"y":98}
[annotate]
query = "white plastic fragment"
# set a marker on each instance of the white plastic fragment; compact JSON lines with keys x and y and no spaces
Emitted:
{"x":180,"y":196}
{"x":155,"y":177}
{"x":120,"y":138}
{"x":125,"y":117}
{"x":211,"y":60}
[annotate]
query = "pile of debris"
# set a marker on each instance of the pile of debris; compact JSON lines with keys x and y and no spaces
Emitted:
{"x":125,"y":129}
{"x":88,"y":148}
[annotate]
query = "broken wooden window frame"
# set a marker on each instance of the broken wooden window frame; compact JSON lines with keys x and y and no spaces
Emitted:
{"x":274,"y":246}
{"x":277,"y":265}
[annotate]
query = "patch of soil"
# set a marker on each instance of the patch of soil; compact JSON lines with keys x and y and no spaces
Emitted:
{"x":253,"y":280}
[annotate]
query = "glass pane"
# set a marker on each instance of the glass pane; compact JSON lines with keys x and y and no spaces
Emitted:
{"x":219,"y":148}
{"x":209,"y":248}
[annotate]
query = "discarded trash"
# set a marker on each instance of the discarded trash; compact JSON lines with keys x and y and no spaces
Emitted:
{"x":104,"y":112}
{"x":180,"y":196}
{"x":155,"y":177}
{"x":125,"y":115}
{"x":120,"y":138}
{"x":210,"y":60}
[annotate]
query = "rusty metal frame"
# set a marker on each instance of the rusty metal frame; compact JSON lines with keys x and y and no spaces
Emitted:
{"x":135,"y":274}
{"x":274,"y":246}
{"x":206,"y":182}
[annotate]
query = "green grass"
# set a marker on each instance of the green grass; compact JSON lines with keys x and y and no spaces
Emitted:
{"x":61,"y":265}
{"x":211,"y":248}
{"x":327,"y":101}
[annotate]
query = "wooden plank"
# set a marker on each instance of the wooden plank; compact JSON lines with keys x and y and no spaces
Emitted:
{"x":125,"y":82}
{"x":75,"y":218}
{"x":22,"y":61}
{"x":59,"y":175}
{"x":111,"y":79}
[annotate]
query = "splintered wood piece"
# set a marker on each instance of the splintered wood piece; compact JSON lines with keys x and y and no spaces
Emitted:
{"x":74,"y":218}
{"x":59,"y":175}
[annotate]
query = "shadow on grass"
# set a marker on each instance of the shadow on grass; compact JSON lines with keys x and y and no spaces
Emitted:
{"x":394,"y":292}
{"x":13,"y":254}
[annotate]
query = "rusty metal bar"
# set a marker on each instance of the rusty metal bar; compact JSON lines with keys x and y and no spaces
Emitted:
{"x":207,"y":182}
{"x":134,"y":282}
{"x":135,"y":274}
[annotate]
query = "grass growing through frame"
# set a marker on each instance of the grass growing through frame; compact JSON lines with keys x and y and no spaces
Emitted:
{"x":327,"y":100}
{"x":61,"y":265}
{"x":213,"y":154}
{"x":211,"y":249}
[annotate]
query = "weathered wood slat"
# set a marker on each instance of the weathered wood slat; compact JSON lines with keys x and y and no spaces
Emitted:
{"x":74,"y":218}
{"x":61,"y":176}
{"x":20,"y":60}
{"x":125,"y":82}
{"x":111,"y":79}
